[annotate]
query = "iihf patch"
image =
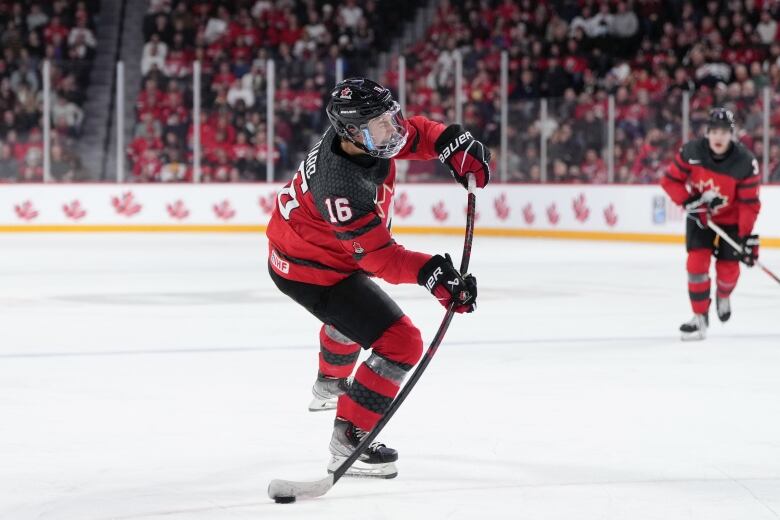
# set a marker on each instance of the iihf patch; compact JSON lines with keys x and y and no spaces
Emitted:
{"x":281,"y":265}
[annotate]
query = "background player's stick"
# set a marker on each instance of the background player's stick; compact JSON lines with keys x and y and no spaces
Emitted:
{"x":285,"y":491}
{"x":722,"y":234}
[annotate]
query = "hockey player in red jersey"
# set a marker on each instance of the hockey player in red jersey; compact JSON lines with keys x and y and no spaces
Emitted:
{"x":715,"y":177}
{"x":330,"y":232}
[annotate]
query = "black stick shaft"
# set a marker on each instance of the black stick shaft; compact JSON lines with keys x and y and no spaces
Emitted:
{"x":406,"y":390}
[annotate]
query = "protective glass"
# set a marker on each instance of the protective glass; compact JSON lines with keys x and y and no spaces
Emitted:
{"x":385,"y":135}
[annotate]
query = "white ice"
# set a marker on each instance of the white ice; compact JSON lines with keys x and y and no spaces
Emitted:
{"x":163,"y":377}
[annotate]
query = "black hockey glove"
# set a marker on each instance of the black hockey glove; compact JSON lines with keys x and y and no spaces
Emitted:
{"x":440,"y":277}
{"x":701,"y":205}
{"x":463,"y":154}
{"x":749,"y":250}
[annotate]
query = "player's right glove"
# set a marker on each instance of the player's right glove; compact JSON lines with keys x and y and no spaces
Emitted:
{"x":440,"y":277}
{"x":701,"y":205}
{"x":749,"y":250}
{"x":463,"y":154}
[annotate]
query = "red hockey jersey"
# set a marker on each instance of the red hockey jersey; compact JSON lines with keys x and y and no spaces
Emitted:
{"x":333,"y":218}
{"x":735,"y":179}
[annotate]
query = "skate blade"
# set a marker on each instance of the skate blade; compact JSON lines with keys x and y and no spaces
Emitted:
{"x":322,"y":405}
{"x":361,"y":469}
{"x":692,"y":336}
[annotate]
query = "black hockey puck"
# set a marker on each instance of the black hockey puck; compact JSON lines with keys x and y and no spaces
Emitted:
{"x":284,"y":500}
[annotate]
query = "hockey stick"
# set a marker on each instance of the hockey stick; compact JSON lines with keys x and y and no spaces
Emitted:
{"x":730,"y":241}
{"x":285,"y":491}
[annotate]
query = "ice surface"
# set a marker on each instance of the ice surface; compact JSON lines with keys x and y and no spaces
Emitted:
{"x":163,"y":377}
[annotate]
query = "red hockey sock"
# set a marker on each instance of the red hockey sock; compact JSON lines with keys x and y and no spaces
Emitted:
{"x":338,"y":353}
{"x":728,"y":274}
{"x":379,"y":378}
{"x":698,"y":267}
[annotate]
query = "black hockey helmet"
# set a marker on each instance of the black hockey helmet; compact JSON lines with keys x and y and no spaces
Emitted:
{"x":721,"y":118}
{"x":364,"y":112}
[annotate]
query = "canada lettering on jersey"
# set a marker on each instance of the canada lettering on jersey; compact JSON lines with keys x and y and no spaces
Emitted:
{"x":307,"y":168}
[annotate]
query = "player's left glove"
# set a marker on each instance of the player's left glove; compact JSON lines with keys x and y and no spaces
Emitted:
{"x":749,"y":250}
{"x":463,"y":154}
{"x":439,"y":276}
{"x":701,"y":205}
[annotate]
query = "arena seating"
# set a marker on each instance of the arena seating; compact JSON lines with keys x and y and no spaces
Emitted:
{"x":61,"y":31}
{"x":575,"y":54}
{"x":233,"y":40}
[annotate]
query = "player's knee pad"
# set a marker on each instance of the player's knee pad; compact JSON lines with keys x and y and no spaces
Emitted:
{"x":698,"y":261}
{"x":401,"y":343}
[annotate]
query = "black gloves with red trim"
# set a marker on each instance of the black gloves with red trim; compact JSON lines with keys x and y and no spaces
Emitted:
{"x":463,"y":154}
{"x":440,"y":277}
{"x":749,"y":250}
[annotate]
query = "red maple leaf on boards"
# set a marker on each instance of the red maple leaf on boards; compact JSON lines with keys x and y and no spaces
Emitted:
{"x":74,"y":210}
{"x":610,"y":216}
{"x":401,"y":206}
{"x":581,"y":210}
{"x":267,"y":203}
{"x":126,"y":204}
{"x":178,"y":210}
{"x":440,"y":211}
{"x":501,"y":207}
{"x":552,"y":214}
{"x":224,"y":210}
{"x":528,"y":214}
{"x":26,"y":210}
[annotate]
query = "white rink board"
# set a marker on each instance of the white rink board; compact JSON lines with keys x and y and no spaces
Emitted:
{"x":567,"y":208}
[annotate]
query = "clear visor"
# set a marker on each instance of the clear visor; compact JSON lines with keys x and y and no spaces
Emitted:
{"x":385,"y":135}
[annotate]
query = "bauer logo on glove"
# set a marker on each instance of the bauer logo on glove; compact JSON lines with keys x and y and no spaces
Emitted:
{"x":440,"y":277}
{"x":463,"y":154}
{"x":454,"y":145}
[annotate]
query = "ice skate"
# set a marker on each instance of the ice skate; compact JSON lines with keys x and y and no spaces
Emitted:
{"x":326,"y":392}
{"x":723,"y":306}
{"x":378,"y":461}
{"x":695,"y":329}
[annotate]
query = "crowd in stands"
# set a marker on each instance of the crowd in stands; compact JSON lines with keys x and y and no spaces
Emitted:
{"x":646,"y":53}
{"x":63,"y":32}
{"x":233,"y":40}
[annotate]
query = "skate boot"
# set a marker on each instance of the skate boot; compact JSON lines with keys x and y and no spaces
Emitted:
{"x":378,"y":461}
{"x":696,"y":329}
{"x":326,"y":392}
{"x":724,"y":308}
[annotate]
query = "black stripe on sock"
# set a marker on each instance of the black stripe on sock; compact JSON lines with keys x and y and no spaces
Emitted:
{"x":699,"y":296}
{"x":369,"y":399}
{"x":339,"y":359}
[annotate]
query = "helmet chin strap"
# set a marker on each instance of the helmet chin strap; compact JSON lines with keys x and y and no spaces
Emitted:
{"x":358,"y":144}
{"x":361,"y":146}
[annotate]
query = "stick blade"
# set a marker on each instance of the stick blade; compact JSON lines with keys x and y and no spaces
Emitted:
{"x":289,"y":488}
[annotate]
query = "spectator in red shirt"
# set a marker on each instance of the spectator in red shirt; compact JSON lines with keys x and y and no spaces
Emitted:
{"x":55,"y":29}
{"x":224,"y":78}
